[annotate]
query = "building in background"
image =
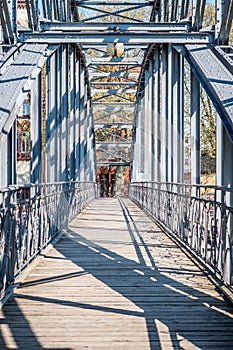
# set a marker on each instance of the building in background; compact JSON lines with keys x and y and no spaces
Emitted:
{"x":22,"y":18}
{"x":24,"y":142}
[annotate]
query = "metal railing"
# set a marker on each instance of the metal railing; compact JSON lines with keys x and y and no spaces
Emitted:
{"x":31,"y":216}
{"x":200,"y":217}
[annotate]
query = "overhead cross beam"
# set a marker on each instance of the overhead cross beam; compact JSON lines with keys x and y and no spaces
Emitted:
{"x":114,"y":27}
{"x":134,"y":38}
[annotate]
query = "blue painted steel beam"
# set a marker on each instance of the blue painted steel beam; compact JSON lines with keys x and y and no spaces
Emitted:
{"x":113,"y":163}
{"x":114,"y":3}
{"x":114,"y":27}
{"x":136,"y":39}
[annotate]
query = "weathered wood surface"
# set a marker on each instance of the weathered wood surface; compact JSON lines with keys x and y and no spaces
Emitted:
{"x":115,"y":281}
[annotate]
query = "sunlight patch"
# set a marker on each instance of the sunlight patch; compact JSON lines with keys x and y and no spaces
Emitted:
{"x":107,"y":256}
{"x":138,"y":271}
{"x":8,"y":336}
{"x":153,"y":279}
{"x":94,"y":249}
{"x":180,"y":291}
{"x":164,"y":335}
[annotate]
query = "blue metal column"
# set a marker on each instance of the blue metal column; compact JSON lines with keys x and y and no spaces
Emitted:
{"x":14,"y":16}
{"x":148,"y":121}
{"x":72,"y":113}
{"x":82,"y":122}
{"x":90,"y":143}
{"x":59,"y":115}
{"x":3,"y":161}
{"x":51,"y":107}
{"x":224,"y":177}
{"x":77,"y":116}
{"x":36,"y":131}
{"x":178,"y":116}
{"x":11,"y":155}
{"x":64,"y":112}
{"x":164,"y":115}
{"x":75,"y":65}
{"x":85,"y":136}
{"x":136,"y":176}
{"x":224,"y":16}
{"x":195,"y":130}
{"x":142,"y":136}
{"x":156,"y":137}
{"x":224,"y":159}
{"x":8,"y":157}
{"x":170,"y":126}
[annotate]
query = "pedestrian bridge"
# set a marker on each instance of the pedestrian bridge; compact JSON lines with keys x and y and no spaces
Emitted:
{"x":112,"y":116}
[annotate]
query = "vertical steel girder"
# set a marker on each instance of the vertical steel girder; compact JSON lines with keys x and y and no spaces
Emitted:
{"x":224,"y":148}
{"x":198,"y":9}
{"x":69,"y":127}
{"x":164,"y":114}
{"x":156,"y":141}
{"x":51,"y":160}
{"x":82,"y":139}
{"x":36,"y":130}
{"x":224,"y":21}
{"x":170,"y":116}
{"x":224,"y":177}
{"x":183,"y":8}
{"x":58,"y":10}
{"x":6,"y":23}
{"x":159,"y":129}
{"x":138,"y":160}
{"x":195,"y":130}
{"x":8,"y":158}
{"x":72,"y":139}
{"x":3,"y":162}
{"x":65,"y":113}
{"x":32,"y":12}
{"x":177,"y":111}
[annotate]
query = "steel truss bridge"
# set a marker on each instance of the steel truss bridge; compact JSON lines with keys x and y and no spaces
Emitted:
{"x":89,"y":108}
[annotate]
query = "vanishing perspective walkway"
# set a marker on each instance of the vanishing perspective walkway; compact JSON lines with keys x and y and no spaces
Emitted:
{"x":116,"y":281}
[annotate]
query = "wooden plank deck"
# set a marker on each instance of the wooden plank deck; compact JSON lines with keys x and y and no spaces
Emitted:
{"x":115,"y":281}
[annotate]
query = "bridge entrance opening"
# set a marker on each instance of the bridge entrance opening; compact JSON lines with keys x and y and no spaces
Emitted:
{"x":113,"y":180}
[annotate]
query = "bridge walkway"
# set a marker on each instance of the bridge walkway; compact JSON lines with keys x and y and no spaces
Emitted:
{"x":116,"y":281}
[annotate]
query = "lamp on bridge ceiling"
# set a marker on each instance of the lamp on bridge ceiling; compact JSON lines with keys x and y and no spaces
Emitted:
{"x":115,"y":49}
